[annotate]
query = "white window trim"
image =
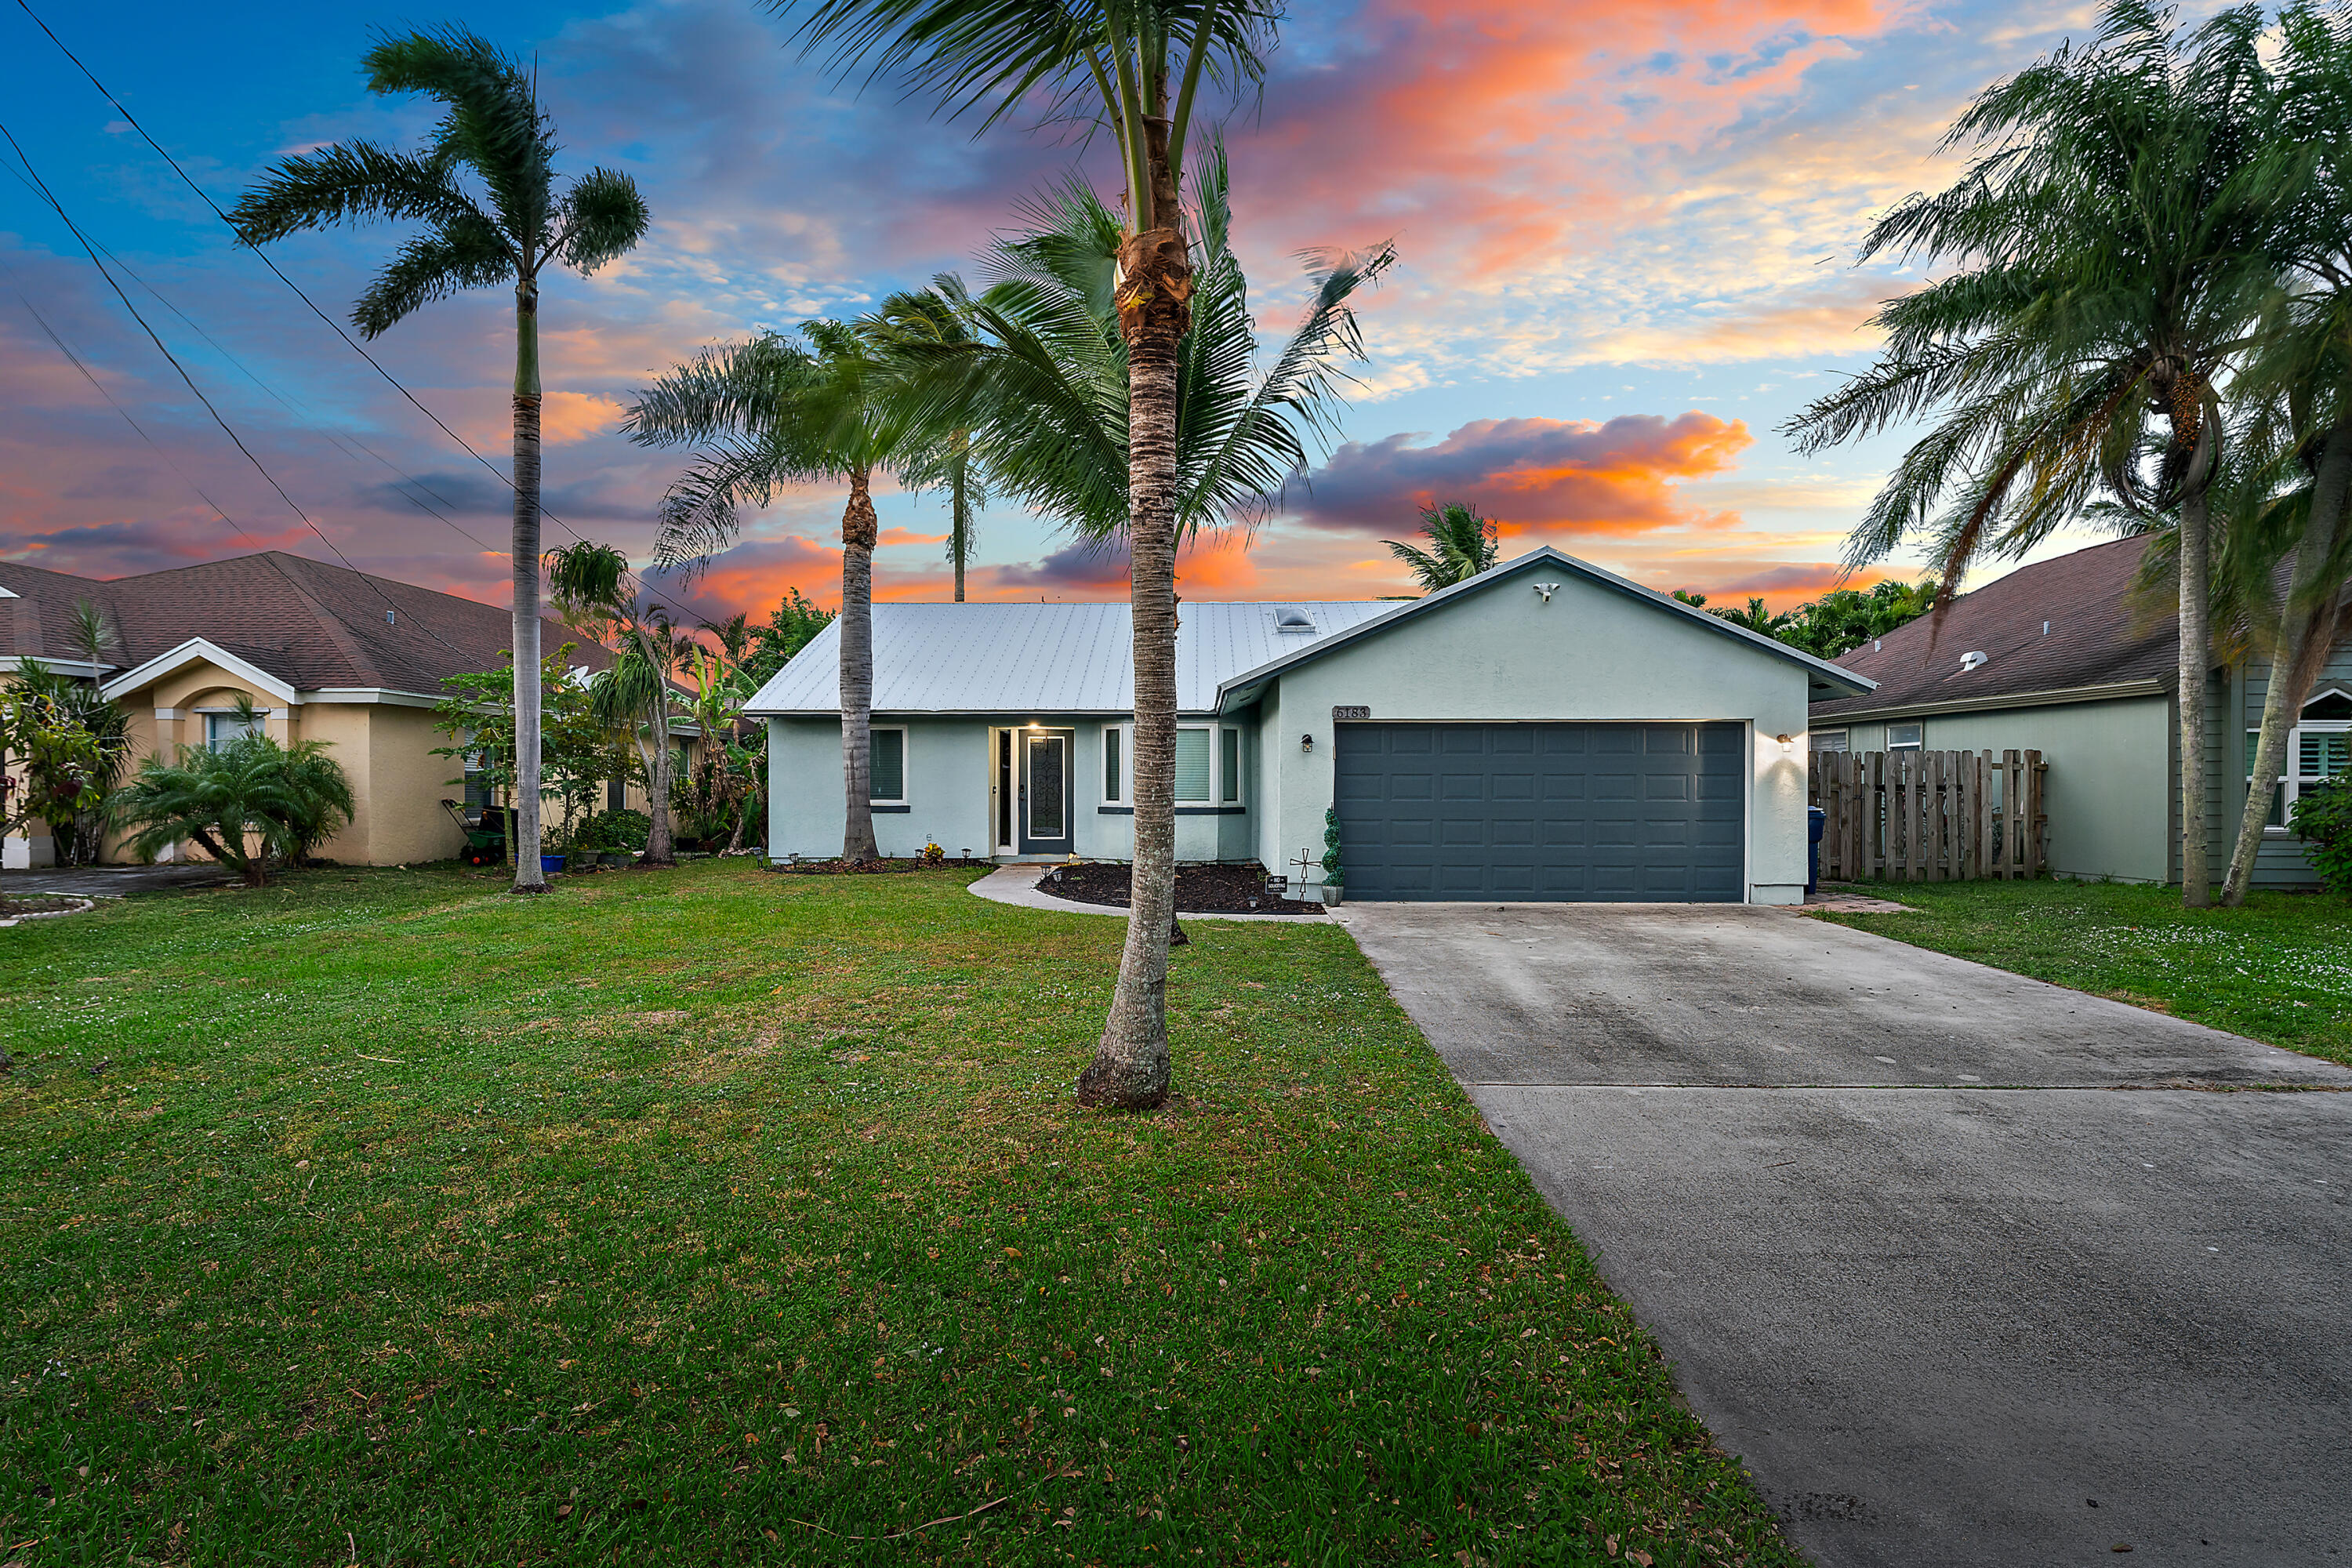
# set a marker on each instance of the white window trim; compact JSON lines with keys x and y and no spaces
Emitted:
{"x":905,"y":766}
{"x":1216,"y":797}
{"x":1844,"y":740}
{"x":2291,"y":778}
{"x":1918,"y":746}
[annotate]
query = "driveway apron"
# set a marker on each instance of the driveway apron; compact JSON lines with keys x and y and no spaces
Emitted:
{"x":1968,"y":1269}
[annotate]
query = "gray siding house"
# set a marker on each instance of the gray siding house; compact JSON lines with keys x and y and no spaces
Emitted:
{"x":2062,"y":657}
{"x":1547,"y":730}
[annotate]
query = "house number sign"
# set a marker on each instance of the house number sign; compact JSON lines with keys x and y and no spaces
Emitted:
{"x":1349,"y":710}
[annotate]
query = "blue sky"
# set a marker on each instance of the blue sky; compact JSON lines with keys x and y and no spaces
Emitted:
{"x":1627,"y":239}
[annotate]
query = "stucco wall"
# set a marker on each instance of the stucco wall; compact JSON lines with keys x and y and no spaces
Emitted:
{"x":1505,"y":654}
{"x":948,"y":771}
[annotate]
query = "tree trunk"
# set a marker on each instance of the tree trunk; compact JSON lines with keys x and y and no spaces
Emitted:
{"x":2196,"y":659}
{"x":960,"y":522}
{"x":2306,"y":632}
{"x":858,"y":530}
{"x":660,"y":849}
{"x":1130,"y":1065}
{"x":525,"y":834}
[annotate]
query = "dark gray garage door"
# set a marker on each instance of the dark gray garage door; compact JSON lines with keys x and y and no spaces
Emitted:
{"x":1637,"y":812}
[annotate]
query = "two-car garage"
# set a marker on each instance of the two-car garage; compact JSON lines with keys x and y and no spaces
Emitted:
{"x":1622,"y":813}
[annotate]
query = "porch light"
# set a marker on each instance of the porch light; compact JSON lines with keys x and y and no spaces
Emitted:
{"x":1788,"y":741}
{"x":1305,"y":742}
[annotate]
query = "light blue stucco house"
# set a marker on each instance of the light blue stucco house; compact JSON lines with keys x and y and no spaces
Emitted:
{"x":2063,"y":657}
{"x":1547,"y":730}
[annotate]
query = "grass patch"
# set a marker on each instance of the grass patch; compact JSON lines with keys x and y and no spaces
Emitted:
{"x":2278,"y":969}
{"x":712,"y":1216}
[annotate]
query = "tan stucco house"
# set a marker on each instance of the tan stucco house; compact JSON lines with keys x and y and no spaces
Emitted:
{"x":327,"y":653}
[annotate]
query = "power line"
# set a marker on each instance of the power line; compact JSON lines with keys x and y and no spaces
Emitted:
{"x":201,"y":195}
{"x":161,"y":347}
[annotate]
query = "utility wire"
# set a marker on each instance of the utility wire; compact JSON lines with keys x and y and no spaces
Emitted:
{"x":170,"y":358}
{"x":132,"y":120}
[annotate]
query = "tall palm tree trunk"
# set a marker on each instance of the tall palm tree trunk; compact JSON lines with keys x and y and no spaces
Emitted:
{"x":2306,"y":632}
{"x":959,"y":525}
{"x":859,"y":536}
{"x":529,"y":878}
{"x":661,"y":847}
{"x":2196,"y":659}
{"x":1131,"y":1064}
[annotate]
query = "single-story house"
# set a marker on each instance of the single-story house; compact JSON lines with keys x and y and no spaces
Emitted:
{"x":1545,"y":730}
{"x":2062,"y":657}
{"x":326,"y":653}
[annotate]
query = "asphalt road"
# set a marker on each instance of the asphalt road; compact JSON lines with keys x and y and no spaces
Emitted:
{"x":1968,"y":1269}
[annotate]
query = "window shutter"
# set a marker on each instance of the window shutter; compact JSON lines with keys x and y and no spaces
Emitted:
{"x":885,"y":755}
{"x":1229,"y":760}
{"x":1112,"y":738}
{"x":1192,"y":767}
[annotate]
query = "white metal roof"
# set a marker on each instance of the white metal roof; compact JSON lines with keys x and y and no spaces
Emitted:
{"x":1042,"y":659}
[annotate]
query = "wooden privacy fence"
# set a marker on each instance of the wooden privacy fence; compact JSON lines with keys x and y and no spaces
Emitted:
{"x":1929,"y":817}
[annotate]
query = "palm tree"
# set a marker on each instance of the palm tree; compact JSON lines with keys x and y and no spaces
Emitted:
{"x":632,"y":695}
{"x":505,"y":228}
{"x":2119,"y":199}
{"x":2302,"y":375}
{"x":916,"y":319}
{"x":769,"y":414}
{"x":1461,"y":545}
{"x":244,"y":802}
{"x":1134,"y":67}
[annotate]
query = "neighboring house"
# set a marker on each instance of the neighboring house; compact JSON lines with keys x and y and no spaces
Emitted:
{"x":2061,"y":658}
{"x":1545,"y":730}
{"x":324,"y":652}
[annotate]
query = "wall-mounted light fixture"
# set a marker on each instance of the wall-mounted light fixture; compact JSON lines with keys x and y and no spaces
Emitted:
{"x":1545,"y":589}
{"x":1305,"y":742}
{"x":1788,"y":741}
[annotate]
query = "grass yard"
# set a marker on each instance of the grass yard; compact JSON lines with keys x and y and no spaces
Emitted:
{"x":2279,"y":969}
{"x":715,"y":1215}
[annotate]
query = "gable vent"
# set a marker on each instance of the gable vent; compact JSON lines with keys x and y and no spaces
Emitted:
{"x":1291,"y":619}
{"x":1972,"y":658}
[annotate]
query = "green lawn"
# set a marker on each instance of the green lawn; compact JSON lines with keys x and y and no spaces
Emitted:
{"x":2279,"y":969}
{"x":715,"y":1215}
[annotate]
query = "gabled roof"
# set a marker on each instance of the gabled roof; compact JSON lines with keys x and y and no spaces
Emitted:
{"x":2067,"y":625}
{"x":1076,"y":658}
{"x":1041,"y":659}
{"x":308,"y":624}
{"x":1242,"y":688}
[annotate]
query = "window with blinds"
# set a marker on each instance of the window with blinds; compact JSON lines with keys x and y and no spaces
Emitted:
{"x":886,"y":764}
{"x":1229,"y":766}
{"x":1114,"y":781}
{"x":1192,"y":767}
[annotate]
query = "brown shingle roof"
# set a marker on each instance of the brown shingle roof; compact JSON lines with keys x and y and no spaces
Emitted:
{"x":311,"y":624}
{"x":2097,"y":636}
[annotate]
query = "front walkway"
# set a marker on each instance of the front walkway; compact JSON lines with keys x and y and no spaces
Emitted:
{"x":1968,"y":1269}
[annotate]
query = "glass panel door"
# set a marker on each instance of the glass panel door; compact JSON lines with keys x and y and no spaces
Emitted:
{"x":1045,"y":792}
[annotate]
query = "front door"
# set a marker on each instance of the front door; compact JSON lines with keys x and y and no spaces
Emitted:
{"x":1044,"y":808}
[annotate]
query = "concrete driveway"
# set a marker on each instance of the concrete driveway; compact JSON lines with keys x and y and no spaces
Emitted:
{"x":1969,"y":1269}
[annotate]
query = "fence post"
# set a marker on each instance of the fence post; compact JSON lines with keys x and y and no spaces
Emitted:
{"x":2035,"y":821}
{"x":2013,"y":814}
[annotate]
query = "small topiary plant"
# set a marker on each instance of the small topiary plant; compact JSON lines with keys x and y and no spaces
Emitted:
{"x":1331,"y":844}
{"x":2323,"y":817}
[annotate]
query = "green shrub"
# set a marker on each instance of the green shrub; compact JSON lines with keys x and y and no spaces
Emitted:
{"x":2323,"y":817}
{"x":1331,"y":844}
{"x":621,"y":829}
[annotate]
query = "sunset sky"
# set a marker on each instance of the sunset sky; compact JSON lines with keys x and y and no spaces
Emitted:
{"x":1626,"y":231}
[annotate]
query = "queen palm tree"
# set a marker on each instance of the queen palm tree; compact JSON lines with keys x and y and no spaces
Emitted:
{"x":1461,"y":545}
{"x":918,"y":318}
{"x":2113,"y":218}
{"x":1133,"y":68}
{"x":771,"y":413}
{"x":503,"y":226}
{"x":634,"y":694}
{"x":2301,"y":374}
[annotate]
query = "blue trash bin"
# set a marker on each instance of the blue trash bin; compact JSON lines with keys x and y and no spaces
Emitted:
{"x":1815,"y":819}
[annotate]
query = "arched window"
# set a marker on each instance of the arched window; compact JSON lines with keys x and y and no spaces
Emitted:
{"x":2318,"y":748}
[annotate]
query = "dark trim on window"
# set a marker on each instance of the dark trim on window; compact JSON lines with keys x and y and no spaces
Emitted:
{"x":1180,"y":811}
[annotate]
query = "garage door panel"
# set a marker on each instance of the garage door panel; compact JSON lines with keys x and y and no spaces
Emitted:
{"x":1543,"y":811}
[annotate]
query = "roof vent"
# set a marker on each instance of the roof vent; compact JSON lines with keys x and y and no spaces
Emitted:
{"x":388,"y":619}
{"x":1290,"y":618}
{"x":1972,"y":658}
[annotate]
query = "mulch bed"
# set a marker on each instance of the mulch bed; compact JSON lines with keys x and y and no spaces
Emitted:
{"x":1200,"y":889}
{"x":839,"y":867}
